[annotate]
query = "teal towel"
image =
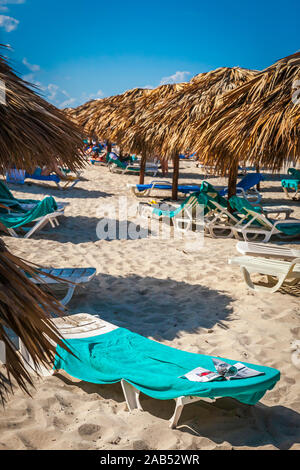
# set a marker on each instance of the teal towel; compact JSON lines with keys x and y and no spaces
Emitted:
{"x":46,"y":206}
{"x":6,"y":196}
{"x":154,"y":368}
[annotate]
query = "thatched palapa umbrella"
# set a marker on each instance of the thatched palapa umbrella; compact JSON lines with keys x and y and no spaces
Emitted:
{"x":258,"y":122}
{"x":165,"y":125}
{"x":32,"y":132}
{"x":111,"y":117}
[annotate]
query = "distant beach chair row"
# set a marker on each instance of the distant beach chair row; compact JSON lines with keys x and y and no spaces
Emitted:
{"x":245,"y":187}
{"x":247,"y":220}
{"x":19,"y":177}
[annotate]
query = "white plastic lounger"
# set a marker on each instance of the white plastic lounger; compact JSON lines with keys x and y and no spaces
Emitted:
{"x":283,"y":271}
{"x":268,"y":251}
{"x":267,"y":227}
{"x":39,"y":224}
{"x":72,"y":277}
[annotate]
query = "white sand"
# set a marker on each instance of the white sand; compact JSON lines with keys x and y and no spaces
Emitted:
{"x":190,"y":300}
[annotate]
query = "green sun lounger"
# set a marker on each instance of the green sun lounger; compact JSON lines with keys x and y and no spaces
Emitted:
{"x":106,"y":354}
{"x":43,"y":212}
{"x":20,"y":205}
{"x":291,"y":183}
{"x":254,"y":223}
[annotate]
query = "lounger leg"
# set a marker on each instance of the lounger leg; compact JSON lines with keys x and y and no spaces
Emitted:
{"x":68,"y":295}
{"x":37,"y":226}
{"x":252,"y":286}
{"x":177,"y":413}
{"x":131,"y":395}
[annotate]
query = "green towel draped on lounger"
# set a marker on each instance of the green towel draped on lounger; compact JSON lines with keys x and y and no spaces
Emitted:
{"x":154,"y":368}
{"x":44,"y":207}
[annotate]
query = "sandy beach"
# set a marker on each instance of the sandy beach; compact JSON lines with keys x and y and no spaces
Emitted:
{"x":191,"y":300}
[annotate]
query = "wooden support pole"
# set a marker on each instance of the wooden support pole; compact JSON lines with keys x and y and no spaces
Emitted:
{"x":232,"y":179}
{"x":257,"y":167}
{"x":175,"y":177}
{"x":142,"y":169}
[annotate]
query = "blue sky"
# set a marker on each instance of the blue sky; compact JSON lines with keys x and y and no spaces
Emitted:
{"x":76,"y":50}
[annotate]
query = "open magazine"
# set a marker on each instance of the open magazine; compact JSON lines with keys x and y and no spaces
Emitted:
{"x":224,"y":371}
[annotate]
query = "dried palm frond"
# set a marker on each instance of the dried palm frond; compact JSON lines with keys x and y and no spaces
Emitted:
{"x":33,"y":132}
{"x":165,"y":124}
{"x":258,"y":122}
{"x":25,"y":310}
{"x":159,"y":120}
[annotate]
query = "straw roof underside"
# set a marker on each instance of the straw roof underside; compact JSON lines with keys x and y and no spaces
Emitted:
{"x":33,"y":132}
{"x":24,"y":309}
{"x":258,"y":122}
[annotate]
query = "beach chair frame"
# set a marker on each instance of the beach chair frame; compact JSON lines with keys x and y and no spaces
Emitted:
{"x":283,"y":271}
{"x":268,"y":228}
{"x":40,"y":223}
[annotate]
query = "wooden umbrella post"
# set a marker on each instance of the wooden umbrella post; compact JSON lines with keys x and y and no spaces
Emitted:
{"x":143,"y":166}
{"x":232,"y":179}
{"x":257,"y":171}
{"x":175,"y":177}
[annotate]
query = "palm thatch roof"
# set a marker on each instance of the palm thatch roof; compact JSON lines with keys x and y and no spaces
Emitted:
{"x":163,"y":123}
{"x":24,"y":309}
{"x":108,"y":118}
{"x":33,"y":132}
{"x":258,"y":122}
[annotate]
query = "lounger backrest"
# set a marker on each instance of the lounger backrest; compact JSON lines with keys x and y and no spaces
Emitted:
{"x":250,"y":180}
{"x":243,"y":206}
{"x":295,"y":173}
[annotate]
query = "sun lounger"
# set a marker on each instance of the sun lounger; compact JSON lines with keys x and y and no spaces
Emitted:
{"x":44,"y":212}
{"x":116,"y":166}
{"x":146,"y":189}
{"x":21,"y":205}
{"x":72,"y":277}
{"x":212,"y":215}
{"x":182,"y":217}
{"x":69,"y":182}
{"x":277,"y":271}
{"x":276,"y":211}
{"x":245,"y":187}
{"x":292,"y":183}
{"x":107,"y":354}
{"x":253,"y":223}
{"x":268,"y":251}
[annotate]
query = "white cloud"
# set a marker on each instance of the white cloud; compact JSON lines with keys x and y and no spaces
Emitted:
{"x":67,"y":102}
{"x":175,"y":78}
{"x":8,"y":23}
{"x":4,"y":3}
{"x":32,"y":67}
